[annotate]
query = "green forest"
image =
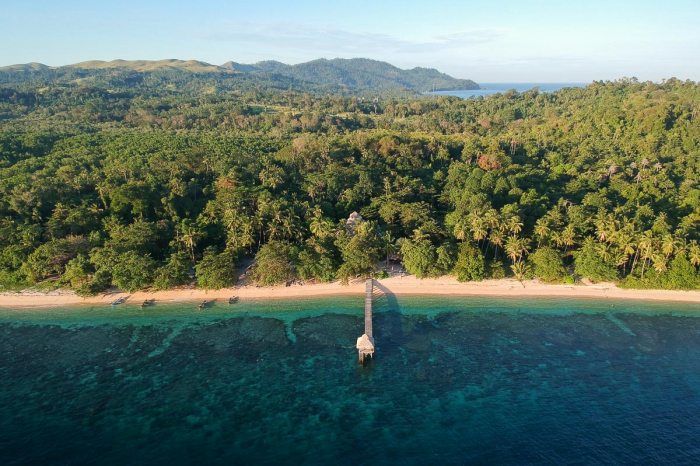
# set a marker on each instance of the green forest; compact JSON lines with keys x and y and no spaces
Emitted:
{"x":361,"y":73}
{"x":148,"y":180}
{"x":335,"y":76}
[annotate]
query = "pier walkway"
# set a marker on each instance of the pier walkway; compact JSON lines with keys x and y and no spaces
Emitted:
{"x":365,"y":344}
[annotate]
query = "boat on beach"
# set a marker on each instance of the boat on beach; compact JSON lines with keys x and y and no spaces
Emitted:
{"x":148,"y":302}
{"x":118,"y":301}
{"x":233,"y":300}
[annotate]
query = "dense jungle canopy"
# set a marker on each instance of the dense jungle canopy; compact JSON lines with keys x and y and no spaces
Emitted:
{"x":137,"y":179}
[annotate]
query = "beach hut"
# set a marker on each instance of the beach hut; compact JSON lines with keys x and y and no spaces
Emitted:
{"x":353,"y":221}
{"x":365,"y":347}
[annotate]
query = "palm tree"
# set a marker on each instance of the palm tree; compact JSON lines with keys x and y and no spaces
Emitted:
{"x":568,"y":237}
{"x":646,"y":245}
{"x":542,"y":229}
{"x":626,"y":247}
{"x":694,"y":253}
{"x":512,"y":248}
{"x":660,"y":262}
{"x":612,"y":226}
{"x":289,"y":226}
{"x":604,"y":251}
{"x":272,"y":229}
{"x":317,"y":227}
{"x":246,"y":234}
{"x":516,"y":248}
{"x":389,"y":245}
{"x":668,"y":244}
{"x":515,"y":226}
{"x":369,"y":229}
{"x":602,"y":230}
{"x":621,"y":260}
{"x":460,"y":231}
{"x":275,"y":222}
{"x":557,"y":238}
{"x":520,"y":270}
{"x":478,"y":229}
{"x":491,"y":217}
{"x":496,"y":238}
{"x":419,"y":235}
{"x":189,"y":237}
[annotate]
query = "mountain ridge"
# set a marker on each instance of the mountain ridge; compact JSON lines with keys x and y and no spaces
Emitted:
{"x":356,"y":73}
{"x":359,"y":73}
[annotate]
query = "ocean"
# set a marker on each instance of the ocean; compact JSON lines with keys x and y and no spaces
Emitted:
{"x":493,"y":88}
{"x":455,"y":381}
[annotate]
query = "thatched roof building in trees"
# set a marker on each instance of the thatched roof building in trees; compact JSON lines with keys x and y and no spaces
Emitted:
{"x":353,"y":221}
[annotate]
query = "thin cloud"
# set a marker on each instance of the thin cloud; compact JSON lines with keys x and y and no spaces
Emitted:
{"x":336,"y":41}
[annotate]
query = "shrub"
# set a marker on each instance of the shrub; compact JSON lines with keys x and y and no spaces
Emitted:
{"x":547,"y":264}
{"x":652,"y":281}
{"x":588,"y":263}
{"x":273,"y":264}
{"x":316,"y":263}
{"x":133,"y":271}
{"x":496,"y":270}
{"x":681,"y":274}
{"x":174,"y":272}
{"x":382,"y":274}
{"x":470,"y":263}
{"x":521,"y":270}
{"x":419,"y":258}
{"x":216,"y":271}
{"x":10,"y":281}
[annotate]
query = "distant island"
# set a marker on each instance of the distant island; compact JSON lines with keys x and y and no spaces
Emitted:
{"x":355,"y":73}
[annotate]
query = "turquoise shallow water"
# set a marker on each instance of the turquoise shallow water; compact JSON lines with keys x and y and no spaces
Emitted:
{"x":456,"y":381}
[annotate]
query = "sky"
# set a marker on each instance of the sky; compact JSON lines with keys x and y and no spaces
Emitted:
{"x":487,"y":41}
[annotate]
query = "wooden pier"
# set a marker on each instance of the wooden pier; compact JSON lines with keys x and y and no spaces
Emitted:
{"x":365,"y":344}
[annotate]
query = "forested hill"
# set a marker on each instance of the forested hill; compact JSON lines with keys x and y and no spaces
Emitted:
{"x":330,"y":75}
{"x":193,"y":66}
{"x":360,"y":73}
{"x":157,"y":79}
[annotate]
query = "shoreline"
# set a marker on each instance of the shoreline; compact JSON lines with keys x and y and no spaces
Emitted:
{"x":408,"y":285}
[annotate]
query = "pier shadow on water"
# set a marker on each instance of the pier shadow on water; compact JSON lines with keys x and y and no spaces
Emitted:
{"x":388,"y":320}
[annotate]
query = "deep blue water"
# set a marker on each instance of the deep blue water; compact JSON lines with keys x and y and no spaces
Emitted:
{"x":493,"y":88}
{"x":455,"y":381}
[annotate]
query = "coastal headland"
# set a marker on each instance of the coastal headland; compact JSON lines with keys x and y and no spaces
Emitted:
{"x":407,"y":285}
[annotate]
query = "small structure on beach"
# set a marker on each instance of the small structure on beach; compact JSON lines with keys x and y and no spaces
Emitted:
{"x":365,"y":344}
{"x":365,"y":347}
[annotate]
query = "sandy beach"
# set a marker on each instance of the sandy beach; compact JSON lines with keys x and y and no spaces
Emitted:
{"x":408,"y":285}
